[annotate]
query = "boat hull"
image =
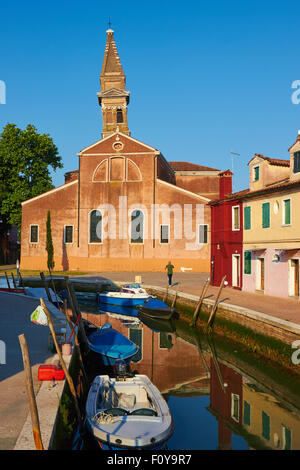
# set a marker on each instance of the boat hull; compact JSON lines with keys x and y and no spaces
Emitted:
{"x":155,"y":308}
{"x":110,"y":346}
{"x":123,"y":301}
{"x":135,"y":428}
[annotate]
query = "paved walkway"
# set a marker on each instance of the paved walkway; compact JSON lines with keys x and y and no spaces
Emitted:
{"x":192,"y":283}
{"x":15,"y":313}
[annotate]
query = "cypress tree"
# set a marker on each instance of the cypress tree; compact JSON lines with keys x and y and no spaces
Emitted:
{"x":49,"y":244}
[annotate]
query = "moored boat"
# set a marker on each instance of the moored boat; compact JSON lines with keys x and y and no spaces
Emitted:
{"x":110,"y":345}
{"x":127,"y":412}
{"x":157,"y":324}
{"x":125,"y":299}
{"x":156,"y":308}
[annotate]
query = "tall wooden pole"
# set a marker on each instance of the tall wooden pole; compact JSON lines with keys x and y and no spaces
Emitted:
{"x":14,"y":281}
{"x":200,"y":301}
{"x":8,"y":284}
{"x":63,"y":364}
{"x":76,"y":310}
{"x":77,"y":345}
{"x":31,"y":396}
{"x":214,"y":309}
{"x":46,"y":286}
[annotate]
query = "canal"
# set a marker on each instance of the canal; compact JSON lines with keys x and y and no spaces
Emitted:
{"x":220,"y":395}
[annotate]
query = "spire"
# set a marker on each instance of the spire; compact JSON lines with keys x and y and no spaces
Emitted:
{"x":111,"y":62}
{"x":113,"y":97}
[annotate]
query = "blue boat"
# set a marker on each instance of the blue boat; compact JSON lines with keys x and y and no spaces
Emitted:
{"x":124,"y":299}
{"x":111,"y":345}
{"x":156,"y":308}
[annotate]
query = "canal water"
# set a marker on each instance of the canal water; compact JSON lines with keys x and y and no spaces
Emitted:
{"x":219,"y":395}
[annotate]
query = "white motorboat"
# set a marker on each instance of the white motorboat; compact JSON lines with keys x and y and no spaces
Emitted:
{"x":127,"y":412}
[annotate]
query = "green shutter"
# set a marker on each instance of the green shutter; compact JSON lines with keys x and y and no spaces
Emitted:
{"x":265,"y":425}
{"x":256,"y":173}
{"x":247,"y":218}
{"x":287,"y":438}
{"x":247,"y":262}
{"x":287,"y":212}
{"x":247,"y":413}
{"x":266,"y":215}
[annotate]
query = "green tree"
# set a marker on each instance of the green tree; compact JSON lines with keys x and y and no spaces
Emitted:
{"x":49,"y":243}
{"x":26,"y":158}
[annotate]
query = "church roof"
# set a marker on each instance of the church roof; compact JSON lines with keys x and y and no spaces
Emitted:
{"x":187,"y":166}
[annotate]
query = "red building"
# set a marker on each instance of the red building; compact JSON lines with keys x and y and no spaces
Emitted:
{"x":226,"y":235}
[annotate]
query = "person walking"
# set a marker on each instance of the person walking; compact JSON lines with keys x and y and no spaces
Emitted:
{"x":169,"y":267}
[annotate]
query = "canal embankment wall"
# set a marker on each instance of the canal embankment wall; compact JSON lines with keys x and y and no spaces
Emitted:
{"x":259,"y":322}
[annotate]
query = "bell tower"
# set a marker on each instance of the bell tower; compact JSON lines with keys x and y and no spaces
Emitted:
{"x":113,"y":97}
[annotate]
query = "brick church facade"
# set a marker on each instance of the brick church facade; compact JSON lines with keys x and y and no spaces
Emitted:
{"x":126,"y":208}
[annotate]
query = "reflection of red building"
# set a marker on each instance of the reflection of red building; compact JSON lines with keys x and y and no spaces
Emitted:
{"x":226,"y":235}
{"x":226,"y":400}
{"x":168,"y":361}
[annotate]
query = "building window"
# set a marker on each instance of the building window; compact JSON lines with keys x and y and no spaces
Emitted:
{"x":247,"y":218}
{"x":286,"y":438}
{"x":247,"y":262}
{"x":203,"y":231}
{"x":286,"y":215}
{"x":247,"y":413}
{"x":296,"y":162}
{"x":266,"y":215}
{"x":235,"y":407}
{"x":256,"y":173}
{"x":68,"y":237}
{"x":95,"y":227}
{"x":137,"y":227}
{"x":236,"y":218}
{"x":265,"y":419}
{"x":164,"y":234}
{"x":119,"y":116}
{"x":34,"y":233}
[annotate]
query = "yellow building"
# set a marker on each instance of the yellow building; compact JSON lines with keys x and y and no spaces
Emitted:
{"x":274,"y":425}
{"x":271,"y":225}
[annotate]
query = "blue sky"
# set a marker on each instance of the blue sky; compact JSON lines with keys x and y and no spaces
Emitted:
{"x":206,"y":78}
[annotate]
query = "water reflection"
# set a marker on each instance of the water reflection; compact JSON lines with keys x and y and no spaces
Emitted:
{"x":218,"y":400}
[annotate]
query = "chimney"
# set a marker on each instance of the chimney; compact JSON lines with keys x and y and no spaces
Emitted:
{"x":225,"y":185}
{"x":71,"y":176}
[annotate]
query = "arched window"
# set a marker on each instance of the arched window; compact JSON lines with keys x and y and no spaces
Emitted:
{"x":119,"y":116}
{"x":137,"y":227}
{"x":95,"y":227}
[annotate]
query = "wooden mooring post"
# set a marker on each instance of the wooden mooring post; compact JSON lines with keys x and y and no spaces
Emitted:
{"x":31,"y":396}
{"x":8,"y":284}
{"x":166,"y":294}
{"x":175,"y":297}
{"x":46,"y":286}
{"x":14,"y":281}
{"x":199,"y":304}
{"x":76,"y":311}
{"x":76,"y":342}
{"x":63,"y":364}
{"x":215,"y":307}
{"x":21,"y":282}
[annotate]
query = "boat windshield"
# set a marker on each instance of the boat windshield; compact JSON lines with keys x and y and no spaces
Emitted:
{"x":116,"y":412}
{"x":144,"y":412}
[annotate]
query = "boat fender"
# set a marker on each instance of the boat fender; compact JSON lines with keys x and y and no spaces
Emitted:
{"x":106,"y":325}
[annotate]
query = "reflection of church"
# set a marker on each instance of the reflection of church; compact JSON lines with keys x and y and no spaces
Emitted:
{"x":168,"y":361}
{"x":120,"y":209}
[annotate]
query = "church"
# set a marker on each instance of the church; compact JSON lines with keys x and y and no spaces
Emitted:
{"x":126,"y":208}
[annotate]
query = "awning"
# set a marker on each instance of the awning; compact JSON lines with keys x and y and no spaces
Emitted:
{"x":254,"y":248}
